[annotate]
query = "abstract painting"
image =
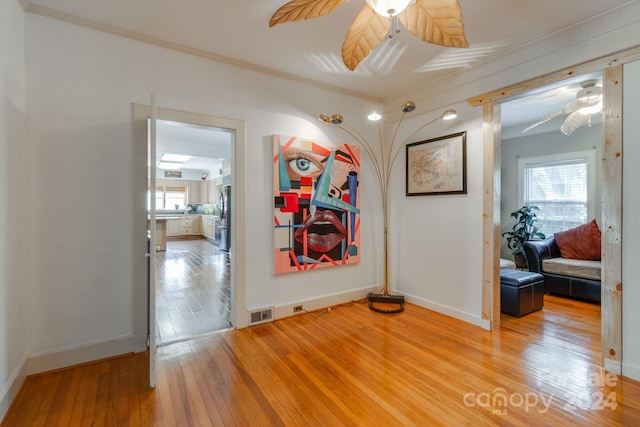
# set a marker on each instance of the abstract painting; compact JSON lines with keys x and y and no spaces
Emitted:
{"x":316,"y":204}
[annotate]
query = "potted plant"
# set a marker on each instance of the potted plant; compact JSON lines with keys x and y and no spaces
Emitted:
{"x":523,"y":230}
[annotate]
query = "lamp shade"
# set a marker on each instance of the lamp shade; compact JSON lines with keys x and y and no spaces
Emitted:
{"x":388,"y":7}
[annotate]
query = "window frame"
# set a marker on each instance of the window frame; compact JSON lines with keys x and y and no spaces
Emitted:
{"x":164,"y":189}
{"x":588,"y":156}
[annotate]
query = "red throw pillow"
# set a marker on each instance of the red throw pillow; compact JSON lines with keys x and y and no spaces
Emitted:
{"x":581,"y":242}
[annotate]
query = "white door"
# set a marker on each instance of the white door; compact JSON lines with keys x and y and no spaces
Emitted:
{"x":151,"y":174}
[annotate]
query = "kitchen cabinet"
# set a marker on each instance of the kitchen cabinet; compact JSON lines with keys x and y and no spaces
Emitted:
{"x":186,"y":226}
{"x":197,"y":224}
{"x":211,"y":191}
{"x":173,"y":227}
{"x":161,"y":234}
{"x":204,"y":192}
{"x":209,"y":226}
{"x":193,"y":195}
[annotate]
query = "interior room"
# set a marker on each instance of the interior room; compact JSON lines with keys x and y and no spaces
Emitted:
{"x":193,"y":266}
{"x":562,"y":148}
{"x":330,"y":211}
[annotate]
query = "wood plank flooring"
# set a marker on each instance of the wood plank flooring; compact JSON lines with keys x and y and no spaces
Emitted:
{"x":193,"y":290}
{"x":351,"y":366}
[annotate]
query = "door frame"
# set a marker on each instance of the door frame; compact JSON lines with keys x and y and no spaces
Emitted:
{"x":611,"y":290}
{"x":238,"y":161}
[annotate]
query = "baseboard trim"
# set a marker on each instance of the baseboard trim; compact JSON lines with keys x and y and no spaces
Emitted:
{"x":631,"y":371}
{"x":323,"y":301}
{"x":448,"y":311}
{"x":12,"y":387}
{"x":76,"y":355}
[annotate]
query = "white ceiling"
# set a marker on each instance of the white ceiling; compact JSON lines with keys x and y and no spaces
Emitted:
{"x":519,"y":114}
{"x":237,"y":32}
{"x":208,"y":146}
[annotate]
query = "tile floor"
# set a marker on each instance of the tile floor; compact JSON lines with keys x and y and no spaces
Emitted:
{"x":193,"y":291}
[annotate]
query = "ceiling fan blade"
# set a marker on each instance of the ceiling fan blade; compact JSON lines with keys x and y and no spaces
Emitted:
{"x":573,"y":122}
{"x":570,"y":108}
{"x":297,"y":10}
{"x":366,"y":32}
{"x":545,"y":120}
{"x":578,"y":104}
{"x":436,"y":21}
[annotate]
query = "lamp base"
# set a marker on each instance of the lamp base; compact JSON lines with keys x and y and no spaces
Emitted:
{"x":386,"y":299}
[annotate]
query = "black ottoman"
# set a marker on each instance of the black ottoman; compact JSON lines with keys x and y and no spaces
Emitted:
{"x":521,"y":292}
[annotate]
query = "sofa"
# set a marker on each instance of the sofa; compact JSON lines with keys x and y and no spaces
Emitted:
{"x":578,"y":278}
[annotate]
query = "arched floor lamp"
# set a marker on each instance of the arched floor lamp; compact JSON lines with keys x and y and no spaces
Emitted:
{"x":383,"y":162}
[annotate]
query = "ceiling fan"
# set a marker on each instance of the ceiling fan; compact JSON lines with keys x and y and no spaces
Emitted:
{"x":587,"y":103}
{"x":434,"y":21}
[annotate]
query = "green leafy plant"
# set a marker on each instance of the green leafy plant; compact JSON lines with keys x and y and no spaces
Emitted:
{"x":524,"y":229}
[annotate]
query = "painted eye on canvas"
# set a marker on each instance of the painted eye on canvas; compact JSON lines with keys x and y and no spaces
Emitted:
{"x":303,"y":167}
{"x":301,"y":163}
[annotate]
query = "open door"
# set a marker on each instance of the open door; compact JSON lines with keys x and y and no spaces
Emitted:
{"x":151,"y":255}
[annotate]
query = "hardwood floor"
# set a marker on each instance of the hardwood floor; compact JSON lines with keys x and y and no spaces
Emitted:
{"x":193,"y":291}
{"x":352,"y":366}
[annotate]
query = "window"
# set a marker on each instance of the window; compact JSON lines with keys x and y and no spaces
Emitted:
{"x":171,"y":198}
{"x":562,"y":186}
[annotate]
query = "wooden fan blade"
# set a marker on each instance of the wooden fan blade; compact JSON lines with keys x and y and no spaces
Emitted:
{"x":573,"y":122}
{"x":436,"y":22}
{"x":297,"y":10}
{"x":366,"y":32}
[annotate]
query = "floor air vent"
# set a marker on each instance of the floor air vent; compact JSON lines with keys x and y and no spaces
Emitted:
{"x":261,"y":316}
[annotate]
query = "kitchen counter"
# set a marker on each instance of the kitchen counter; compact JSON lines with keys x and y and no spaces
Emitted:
{"x":161,"y":234}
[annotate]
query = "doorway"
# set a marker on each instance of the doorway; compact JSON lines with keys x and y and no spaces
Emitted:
{"x":611,"y":295}
{"x":193,"y":266}
{"x":549,"y":160}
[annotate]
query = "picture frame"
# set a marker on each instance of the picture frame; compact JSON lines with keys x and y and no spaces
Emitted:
{"x":437,"y":166}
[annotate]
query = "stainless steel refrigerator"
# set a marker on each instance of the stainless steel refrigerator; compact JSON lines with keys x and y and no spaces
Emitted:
{"x":225,"y":218}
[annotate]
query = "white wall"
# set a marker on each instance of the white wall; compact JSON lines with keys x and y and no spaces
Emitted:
{"x":543,"y":144}
{"x":630,"y":223}
{"x":81,"y":84}
{"x":13,"y":257}
{"x":436,"y":241}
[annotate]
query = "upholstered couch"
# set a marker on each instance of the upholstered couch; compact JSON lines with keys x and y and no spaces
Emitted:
{"x":565,"y":276}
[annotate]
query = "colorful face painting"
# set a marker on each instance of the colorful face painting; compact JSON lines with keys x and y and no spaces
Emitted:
{"x":316,"y":204}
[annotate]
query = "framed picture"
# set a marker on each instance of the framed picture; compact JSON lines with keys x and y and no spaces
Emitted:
{"x":437,"y":166}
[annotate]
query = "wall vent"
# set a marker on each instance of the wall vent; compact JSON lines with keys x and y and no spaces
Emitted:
{"x":262,"y":315}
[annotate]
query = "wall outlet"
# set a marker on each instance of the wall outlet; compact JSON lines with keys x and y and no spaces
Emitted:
{"x":297,"y":308}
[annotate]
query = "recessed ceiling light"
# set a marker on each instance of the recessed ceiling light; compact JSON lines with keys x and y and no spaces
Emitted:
{"x":169,"y":165}
{"x":374,"y":116}
{"x":167,"y":157}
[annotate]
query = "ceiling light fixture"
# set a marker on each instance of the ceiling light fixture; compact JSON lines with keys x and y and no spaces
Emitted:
{"x":374,"y":117}
{"x":433,"y":21}
{"x":449,"y":114}
{"x":388,"y":7}
{"x":383,"y":159}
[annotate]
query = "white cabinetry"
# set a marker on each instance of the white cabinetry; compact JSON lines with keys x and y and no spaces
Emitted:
{"x":204,"y":192}
{"x":209,"y":226}
{"x":173,"y":227}
{"x":186,"y":226}
{"x":193,"y":195}
{"x":197,"y":224}
{"x":211,"y":191}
